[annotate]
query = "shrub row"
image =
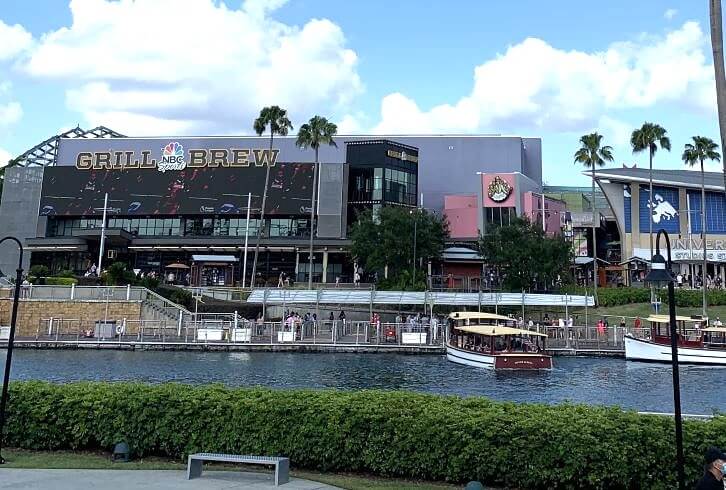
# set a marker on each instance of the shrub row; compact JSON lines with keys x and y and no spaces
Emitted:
{"x":399,"y":434}
{"x":623,"y":296}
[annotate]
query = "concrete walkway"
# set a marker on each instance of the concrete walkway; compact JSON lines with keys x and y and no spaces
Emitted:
{"x":128,"y":479}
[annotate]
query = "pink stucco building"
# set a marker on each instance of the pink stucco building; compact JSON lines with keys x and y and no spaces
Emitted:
{"x":500,"y":197}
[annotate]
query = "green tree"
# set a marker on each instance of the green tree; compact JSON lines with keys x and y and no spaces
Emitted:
{"x":718,"y":68}
{"x":275,"y":119}
{"x":387,"y":242}
{"x":649,"y":137}
{"x":525,"y":255}
{"x":592,"y":154}
{"x":699,"y":151}
{"x":318,"y":131}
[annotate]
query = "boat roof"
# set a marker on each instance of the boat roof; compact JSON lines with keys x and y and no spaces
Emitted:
{"x":497,"y":330}
{"x":667,"y":319}
{"x":714,"y":329}
{"x":469,"y":315}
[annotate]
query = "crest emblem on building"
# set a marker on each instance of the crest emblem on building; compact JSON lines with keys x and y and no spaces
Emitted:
{"x":499,"y":189}
{"x":661,"y":209}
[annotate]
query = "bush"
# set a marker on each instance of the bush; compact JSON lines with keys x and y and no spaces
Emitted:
{"x":176,"y":295}
{"x":65,"y":273}
{"x":397,"y":434}
{"x":118,"y":275}
{"x":39,"y":270}
{"x":60,"y":281}
{"x":623,"y":296}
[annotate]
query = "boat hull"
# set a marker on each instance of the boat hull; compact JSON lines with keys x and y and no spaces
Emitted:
{"x":644,"y":350}
{"x":502,"y":361}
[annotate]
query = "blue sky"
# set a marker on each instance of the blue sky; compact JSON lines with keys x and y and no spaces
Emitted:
{"x":549,"y":69}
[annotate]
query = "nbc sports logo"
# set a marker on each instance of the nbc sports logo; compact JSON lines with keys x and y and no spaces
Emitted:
{"x":172,"y":157}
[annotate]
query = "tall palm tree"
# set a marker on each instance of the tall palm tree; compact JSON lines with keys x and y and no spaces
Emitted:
{"x":700,"y":150}
{"x":318,"y":131}
{"x":274,"y":118}
{"x":720,"y":73}
{"x":649,"y":137}
{"x":592,"y":154}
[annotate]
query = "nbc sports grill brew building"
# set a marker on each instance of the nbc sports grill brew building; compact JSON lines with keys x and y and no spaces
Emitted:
{"x":182,"y":201}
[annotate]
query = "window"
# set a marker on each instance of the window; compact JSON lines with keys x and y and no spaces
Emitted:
{"x":499,"y":216}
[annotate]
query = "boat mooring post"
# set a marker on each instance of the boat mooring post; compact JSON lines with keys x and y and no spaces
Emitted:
{"x":660,"y":273}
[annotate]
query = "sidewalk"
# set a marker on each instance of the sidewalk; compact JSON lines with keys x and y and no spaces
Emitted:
{"x":128,"y":479}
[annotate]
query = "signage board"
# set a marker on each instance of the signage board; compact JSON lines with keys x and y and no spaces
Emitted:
{"x":70,"y":191}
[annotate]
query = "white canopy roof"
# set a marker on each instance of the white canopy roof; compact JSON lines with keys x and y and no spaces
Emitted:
{"x":362,"y":297}
{"x":214,"y":258}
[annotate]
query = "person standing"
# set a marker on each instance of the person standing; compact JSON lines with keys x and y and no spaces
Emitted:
{"x":713,"y":471}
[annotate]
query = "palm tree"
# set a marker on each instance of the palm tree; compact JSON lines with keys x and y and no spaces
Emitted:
{"x":318,"y":131}
{"x":274,"y":118}
{"x":649,"y":137}
{"x":718,"y":67}
{"x":590,"y":155}
{"x":702,"y":149}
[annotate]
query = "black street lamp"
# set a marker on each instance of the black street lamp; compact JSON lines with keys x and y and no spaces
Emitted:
{"x":9,"y":358}
{"x":660,"y":273}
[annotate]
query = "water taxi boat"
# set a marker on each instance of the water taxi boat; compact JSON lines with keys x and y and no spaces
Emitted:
{"x":695,"y":345}
{"x":493,"y":341}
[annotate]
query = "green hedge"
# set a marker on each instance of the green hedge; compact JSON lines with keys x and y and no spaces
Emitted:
{"x":398,"y":434}
{"x":60,"y":281}
{"x":625,"y":296}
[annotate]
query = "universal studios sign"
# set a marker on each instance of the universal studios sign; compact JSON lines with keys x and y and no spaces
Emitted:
{"x":173,"y":157}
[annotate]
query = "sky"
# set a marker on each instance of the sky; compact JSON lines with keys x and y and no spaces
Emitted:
{"x":555,"y":70}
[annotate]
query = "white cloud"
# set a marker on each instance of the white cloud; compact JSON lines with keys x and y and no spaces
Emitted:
{"x":152,"y":68}
{"x":13,"y":40}
{"x":670,"y":14}
{"x":4,"y":157}
{"x":534,"y":85}
{"x":10,"y":113}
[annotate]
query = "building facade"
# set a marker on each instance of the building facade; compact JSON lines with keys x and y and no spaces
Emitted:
{"x":675,"y":207}
{"x":170,"y":199}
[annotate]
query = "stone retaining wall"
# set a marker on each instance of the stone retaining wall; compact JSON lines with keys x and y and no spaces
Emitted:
{"x":34,"y":313}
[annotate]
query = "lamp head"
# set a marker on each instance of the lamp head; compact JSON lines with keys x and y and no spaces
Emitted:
{"x":659,"y":272}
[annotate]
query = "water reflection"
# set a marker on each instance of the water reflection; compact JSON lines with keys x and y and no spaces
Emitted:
{"x":582,"y":380}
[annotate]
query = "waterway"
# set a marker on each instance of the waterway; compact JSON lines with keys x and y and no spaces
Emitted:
{"x":597,"y":381}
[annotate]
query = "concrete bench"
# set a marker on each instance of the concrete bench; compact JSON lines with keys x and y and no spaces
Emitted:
{"x":282,"y":465}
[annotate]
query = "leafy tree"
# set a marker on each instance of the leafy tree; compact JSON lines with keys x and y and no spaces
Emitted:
{"x":649,"y":137}
{"x":387,"y":240}
{"x":701,"y":150}
{"x":274,"y":118}
{"x":318,"y":131}
{"x":590,"y":155}
{"x":525,"y":255}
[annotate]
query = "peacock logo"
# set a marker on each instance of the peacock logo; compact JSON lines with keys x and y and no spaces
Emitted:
{"x":172,"y":157}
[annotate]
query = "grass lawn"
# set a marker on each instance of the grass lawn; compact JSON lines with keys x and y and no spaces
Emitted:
{"x":645,"y":309}
{"x":17,"y":458}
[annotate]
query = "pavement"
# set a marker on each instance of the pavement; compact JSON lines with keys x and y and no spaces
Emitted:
{"x":161,"y":479}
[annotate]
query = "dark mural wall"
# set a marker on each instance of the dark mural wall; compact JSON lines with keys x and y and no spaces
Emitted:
{"x":68,"y":191}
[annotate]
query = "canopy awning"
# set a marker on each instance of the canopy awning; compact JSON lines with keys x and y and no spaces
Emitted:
{"x":475,"y":315}
{"x":667,"y":319}
{"x":361,"y":297}
{"x":214,"y":258}
{"x":498,"y":330}
{"x":714,"y":330}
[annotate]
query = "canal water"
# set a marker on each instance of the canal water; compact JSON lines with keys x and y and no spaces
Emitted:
{"x":595,"y":381}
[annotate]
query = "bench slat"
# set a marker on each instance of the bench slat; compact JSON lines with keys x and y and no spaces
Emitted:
{"x":237,"y":458}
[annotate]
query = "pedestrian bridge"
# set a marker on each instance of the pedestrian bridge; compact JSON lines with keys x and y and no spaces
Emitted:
{"x":367,"y":297}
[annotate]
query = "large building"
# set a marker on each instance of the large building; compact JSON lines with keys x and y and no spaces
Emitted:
{"x":675,"y":208}
{"x":183,"y":200}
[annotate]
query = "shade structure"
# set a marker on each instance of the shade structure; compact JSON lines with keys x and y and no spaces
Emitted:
{"x":360,"y":297}
{"x":177,"y":265}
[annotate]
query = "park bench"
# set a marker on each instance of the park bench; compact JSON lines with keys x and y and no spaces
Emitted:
{"x":282,"y":465}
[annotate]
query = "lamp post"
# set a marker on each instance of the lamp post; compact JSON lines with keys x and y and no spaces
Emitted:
{"x":9,"y":357}
{"x":660,"y":273}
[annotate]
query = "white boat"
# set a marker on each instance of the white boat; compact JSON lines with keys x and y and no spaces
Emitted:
{"x":491,"y":341}
{"x":695,"y":345}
